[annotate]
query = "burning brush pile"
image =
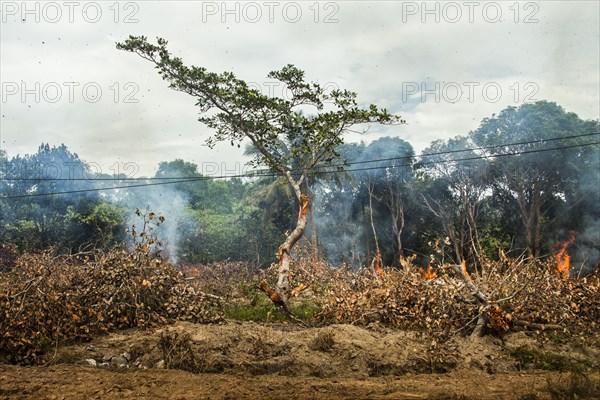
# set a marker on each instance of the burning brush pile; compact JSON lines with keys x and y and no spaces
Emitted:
{"x":48,"y":300}
{"x":496,"y":297}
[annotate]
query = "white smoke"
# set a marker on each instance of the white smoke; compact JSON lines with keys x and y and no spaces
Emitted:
{"x":165,"y":201}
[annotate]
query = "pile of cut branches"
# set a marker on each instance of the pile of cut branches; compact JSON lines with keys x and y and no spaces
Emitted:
{"x":498,"y":297}
{"x":46,"y":300}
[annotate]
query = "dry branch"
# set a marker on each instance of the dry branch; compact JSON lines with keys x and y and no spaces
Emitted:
{"x":490,"y":313}
{"x":461,"y":271}
{"x":538,"y":327}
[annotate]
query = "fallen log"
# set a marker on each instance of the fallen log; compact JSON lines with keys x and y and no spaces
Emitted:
{"x":490,"y":313}
{"x":538,"y":327}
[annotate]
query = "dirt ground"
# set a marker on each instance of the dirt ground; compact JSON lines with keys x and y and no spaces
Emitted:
{"x":237,"y":360}
{"x":75,"y":382}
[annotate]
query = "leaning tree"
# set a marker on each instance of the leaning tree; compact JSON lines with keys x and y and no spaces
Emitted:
{"x":312,"y":119}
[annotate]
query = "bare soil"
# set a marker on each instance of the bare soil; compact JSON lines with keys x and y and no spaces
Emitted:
{"x":237,"y":360}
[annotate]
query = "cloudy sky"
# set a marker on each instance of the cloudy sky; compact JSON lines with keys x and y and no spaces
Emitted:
{"x":443,"y":66}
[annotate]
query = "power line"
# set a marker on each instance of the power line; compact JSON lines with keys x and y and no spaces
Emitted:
{"x":462,"y":159}
{"x":273,"y":174}
{"x":539,"y":141}
{"x":268,"y":172}
{"x":102,"y":189}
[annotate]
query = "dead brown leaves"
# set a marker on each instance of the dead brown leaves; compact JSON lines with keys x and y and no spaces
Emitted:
{"x":518,"y":291}
{"x":47,"y":300}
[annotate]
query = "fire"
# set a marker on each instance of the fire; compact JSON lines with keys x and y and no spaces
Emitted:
{"x":464,"y":270}
{"x":304,"y":201}
{"x":562,"y":257}
{"x":429,"y":273}
{"x":376,"y":264}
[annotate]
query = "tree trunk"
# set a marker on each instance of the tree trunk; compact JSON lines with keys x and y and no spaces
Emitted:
{"x":313,"y":227}
{"x":396,"y":207}
{"x":313,"y":234}
{"x":526,"y":217}
{"x":538,"y":227}
{"x":398,"y":228}
{"x":474,"y":237}
{"x":283,"y":281}
{"x":376,"y":264}
{"x":530,"y":205}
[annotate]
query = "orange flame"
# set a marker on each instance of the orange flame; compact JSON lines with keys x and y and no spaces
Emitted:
{"x":304,"y":205}
{"x":429,"y":273}
{"x":562,"y":257}
{"x":464,"y":270}
{"x":376,"y":264}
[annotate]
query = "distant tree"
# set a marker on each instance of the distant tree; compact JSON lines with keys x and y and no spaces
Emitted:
{"x":202,"y":193}
{"x":177,"y":169}
{"x":391,"y":182}
{"x":105,"y":222}
{"x":534,"y":181}
{"x":456,"y":187}
{"x":369,"y":205}
{"x":34,"y":222}
{"x":238,"y":112}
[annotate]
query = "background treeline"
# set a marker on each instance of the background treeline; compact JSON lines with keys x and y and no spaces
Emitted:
{"x":523,"y":181}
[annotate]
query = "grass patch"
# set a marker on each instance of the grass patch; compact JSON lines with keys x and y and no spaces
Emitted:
{"x":260,"y":308}
{"x":528,"y":357}
{"x":305,"y":310}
